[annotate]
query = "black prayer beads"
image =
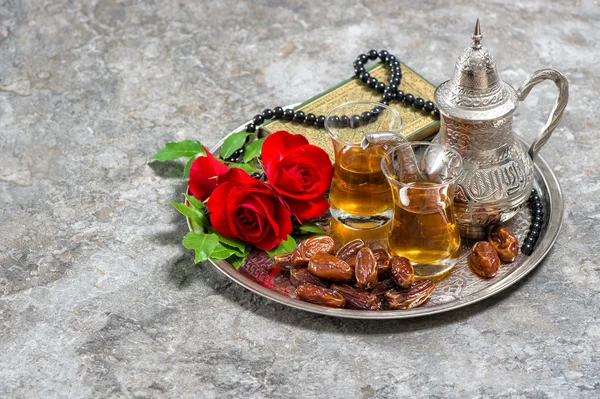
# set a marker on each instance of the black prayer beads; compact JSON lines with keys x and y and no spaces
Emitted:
{"x":389,"y":93}
{"x":537,"y":222}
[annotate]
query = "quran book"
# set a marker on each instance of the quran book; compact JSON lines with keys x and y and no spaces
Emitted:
{"x":417,"y":124}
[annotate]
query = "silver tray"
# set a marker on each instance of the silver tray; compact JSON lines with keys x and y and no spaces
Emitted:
{"x":461,"y":288}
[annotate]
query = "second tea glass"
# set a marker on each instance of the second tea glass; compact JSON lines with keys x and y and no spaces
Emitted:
{"x":360,"y":196}
{"x":422,"y":178}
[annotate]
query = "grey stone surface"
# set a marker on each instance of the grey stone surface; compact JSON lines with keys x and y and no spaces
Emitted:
{"x":99,"y":299}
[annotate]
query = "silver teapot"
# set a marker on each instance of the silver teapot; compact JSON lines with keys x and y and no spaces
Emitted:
{"x":476,"y":109}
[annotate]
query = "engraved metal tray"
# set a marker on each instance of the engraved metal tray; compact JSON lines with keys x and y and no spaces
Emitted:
{"x":461,"y":288}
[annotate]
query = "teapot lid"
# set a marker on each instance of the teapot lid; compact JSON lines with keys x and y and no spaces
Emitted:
{"x":475,"y":92}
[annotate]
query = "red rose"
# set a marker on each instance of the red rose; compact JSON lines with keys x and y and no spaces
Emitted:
{"x":245,"y":208}
{"x":203,"y":175}
{"x":300,"y":172}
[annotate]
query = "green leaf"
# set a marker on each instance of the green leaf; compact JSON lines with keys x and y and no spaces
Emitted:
{"x":200,"y":221}
{"x":233,"y":143}
{"x":196,"y":215}
{"x":188,"y":165}
{"x":236,"y":261}
{"x":310,"y":227}
{"x":203,"y":244}
{"x":241,"y":246}
{"x":229,"y":246}
{"x":221,"y":252}
{"x":224,"y":251}
{"x":244,"y":166}
{"x":253,"y":149}
{"x":196,"y":228}
{"x":196,"y":203}
{"x":174,"y":150}
{"x":288,"y":245}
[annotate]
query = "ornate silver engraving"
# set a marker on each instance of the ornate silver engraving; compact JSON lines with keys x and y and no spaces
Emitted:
{"x":476,"y":119}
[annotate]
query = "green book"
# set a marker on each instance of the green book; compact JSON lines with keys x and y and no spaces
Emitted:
{"x":417,"y":124}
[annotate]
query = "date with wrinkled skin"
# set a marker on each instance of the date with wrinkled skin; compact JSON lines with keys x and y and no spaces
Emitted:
{"x":357,"y":299}
{"x":317,"y":245}
{"x":298,"y":258}
{"x":331,"y":268}
{"x":402,"y":271}
{"x":504,"y":242}
{"x":283,"y":261}
{"x":414,"y":296}
{"x":381,"y":255}
{"x":348,"y":252}
{"x":300,"y":275}
{"x":366,"y":269}
{"x":310,"y":247}
{"x":484,"y":259}
{"x":383,"y":286}
{"x":383,"y":270}
{"x":320,"y":296}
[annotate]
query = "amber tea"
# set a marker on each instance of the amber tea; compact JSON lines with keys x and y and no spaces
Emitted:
{"x":360,"y":196}
{"x":359,"y":187}
{"x":424,"y":224}
{"x":424,"y":227}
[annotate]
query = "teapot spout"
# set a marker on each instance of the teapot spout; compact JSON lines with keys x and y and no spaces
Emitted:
{"x":389,"y":140}
{"x":385,"y":139}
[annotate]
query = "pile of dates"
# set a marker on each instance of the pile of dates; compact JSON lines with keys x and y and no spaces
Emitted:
{"x":356,"y":276}
{"x":485,"y":256}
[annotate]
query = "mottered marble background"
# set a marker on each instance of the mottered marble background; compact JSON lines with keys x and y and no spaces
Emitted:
{"x":98,"y":299}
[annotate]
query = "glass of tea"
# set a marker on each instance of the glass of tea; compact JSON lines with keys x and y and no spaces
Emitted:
{"x":422,"y":177}
{"x":359,"y":197}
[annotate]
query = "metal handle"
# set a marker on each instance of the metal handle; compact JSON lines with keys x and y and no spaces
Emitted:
{"x":557,"y":111}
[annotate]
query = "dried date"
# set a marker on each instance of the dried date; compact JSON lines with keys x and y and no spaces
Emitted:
{"x":381,"y":255}
{"x":402,"y":271}
{"x":383,"y":286}
{"x":383,"y":270}
{"x":284,"y":261}
{"x":504,"y":242}
{"x":310,"y":247}
{"x":348,"y":252}
{"x":366,"y":269}
{"x":357,"y":299}
{"x":329,"y":267}
{"x":320,"y":296}
{"x":483,"y":259}
{"x":414,"y":296}
{"x":299,"y":276}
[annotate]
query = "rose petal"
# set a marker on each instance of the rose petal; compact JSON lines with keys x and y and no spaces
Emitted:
{"x":248,"y":209}
{"x":319,"y":160}
{"x":281,"y":218}
{"x":315,"y":164}
{"x":252,"y":204}
{"x":202,"y":175}
{"x":298,"y":181}
{"x":228,"y":199}
{"x":218,"y":218}
{"x":277,"y":144}
{"x":269,"y":211}
{"x":258,"y":230}
{"x":236,"y":174}
{"x":288,"y":177}
{"x":308,"y":209}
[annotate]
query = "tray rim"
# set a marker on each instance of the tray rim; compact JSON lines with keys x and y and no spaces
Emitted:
{"x":544,"y":178}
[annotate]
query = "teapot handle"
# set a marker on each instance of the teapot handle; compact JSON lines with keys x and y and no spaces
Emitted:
{"x":557,"y":112}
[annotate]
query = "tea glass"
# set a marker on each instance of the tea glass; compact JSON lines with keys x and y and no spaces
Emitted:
{"x":360,"y":197}
{"x":424,"y":226}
